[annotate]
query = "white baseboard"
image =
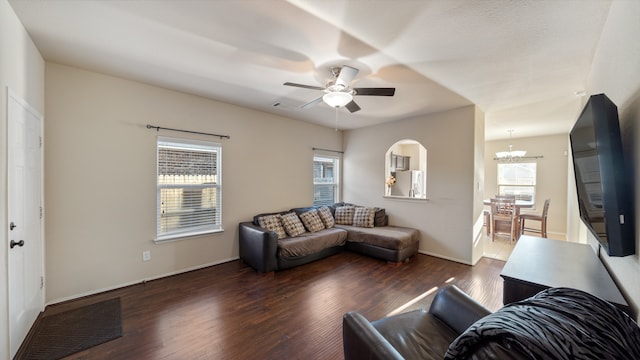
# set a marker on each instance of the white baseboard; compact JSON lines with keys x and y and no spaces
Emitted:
{"x":444,"y":257}
{"x":98,"y":291}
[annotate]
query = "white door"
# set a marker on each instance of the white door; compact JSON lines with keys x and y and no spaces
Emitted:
{"x":25,"y":248}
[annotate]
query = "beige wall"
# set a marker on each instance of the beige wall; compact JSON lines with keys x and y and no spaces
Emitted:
{"x":478,"y":187}
{"x":552,"y":174}
{"x":100,"y":186}
{"x":616,"y":72}
{"x":22,"y":71}
{"x":446,"y":219}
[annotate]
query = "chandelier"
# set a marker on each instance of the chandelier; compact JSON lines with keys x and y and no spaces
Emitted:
{"x":511,"y":154}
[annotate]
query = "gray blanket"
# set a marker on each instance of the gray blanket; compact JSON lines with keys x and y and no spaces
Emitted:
{"x":557,"y":323}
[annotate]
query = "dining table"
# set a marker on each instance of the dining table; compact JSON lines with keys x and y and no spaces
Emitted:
{"x":521,"y":204}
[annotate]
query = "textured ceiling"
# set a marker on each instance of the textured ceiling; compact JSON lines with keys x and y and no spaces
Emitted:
{"x":521,"y":62}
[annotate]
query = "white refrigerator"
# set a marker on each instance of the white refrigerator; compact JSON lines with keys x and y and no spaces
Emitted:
{"x":409,"y":183}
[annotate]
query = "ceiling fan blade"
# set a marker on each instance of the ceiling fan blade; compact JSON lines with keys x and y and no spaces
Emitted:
{"x":375,"y":91}
{"x":303,"y":86}
{"x":352,"y":106}
{"x":347,"y":73}
{"x":311,"y":103}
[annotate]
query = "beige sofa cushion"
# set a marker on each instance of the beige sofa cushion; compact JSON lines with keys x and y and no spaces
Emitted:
{"x":311,"y":243}
{"x":388,"y":237}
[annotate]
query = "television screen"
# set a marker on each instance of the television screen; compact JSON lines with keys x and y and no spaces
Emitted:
{"x":603,"y":192}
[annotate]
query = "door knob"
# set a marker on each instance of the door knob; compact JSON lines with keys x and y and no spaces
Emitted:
{"x":12,"y":226}
{"x":13,"y":244}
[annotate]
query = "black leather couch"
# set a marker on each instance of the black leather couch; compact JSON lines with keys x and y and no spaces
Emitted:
{"x":557,"y":323}
{"x":261,"y":248}
{"x":418,"y":334}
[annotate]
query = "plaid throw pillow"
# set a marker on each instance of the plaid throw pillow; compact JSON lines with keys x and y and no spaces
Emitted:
{"x":312,"y":221}
{"x":273,"y":223}
{"x":327,"y":218}
{"x":363,"y":217}
{"x":292,"y":224}
{"x":344,"y":215}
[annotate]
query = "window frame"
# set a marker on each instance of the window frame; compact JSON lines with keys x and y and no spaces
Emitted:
{"x":181,"y":232}
{"x":337,"y":159}
{"x":502,"y":186}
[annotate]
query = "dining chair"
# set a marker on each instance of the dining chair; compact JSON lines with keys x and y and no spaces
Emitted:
{"x":506,"y":212}
{"x":542,"y":218}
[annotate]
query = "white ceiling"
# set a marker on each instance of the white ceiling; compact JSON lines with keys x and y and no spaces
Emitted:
{"x":520,"y":61}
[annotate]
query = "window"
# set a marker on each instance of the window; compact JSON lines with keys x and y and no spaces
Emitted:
{"x":325,"y":180}
{"x":517,"y":179}
{"x":188,"y":189}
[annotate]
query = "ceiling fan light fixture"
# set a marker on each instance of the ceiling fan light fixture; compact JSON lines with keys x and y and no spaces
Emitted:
{"x":337,"y":98}
{"x":338,"y":92}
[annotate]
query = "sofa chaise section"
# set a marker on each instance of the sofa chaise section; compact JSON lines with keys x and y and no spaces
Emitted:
{"x":391,"y":243}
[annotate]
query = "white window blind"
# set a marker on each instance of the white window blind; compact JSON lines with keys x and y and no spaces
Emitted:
{"x":517,"y":179}
{"x":189,"y":191}
{"x":325,"y":180}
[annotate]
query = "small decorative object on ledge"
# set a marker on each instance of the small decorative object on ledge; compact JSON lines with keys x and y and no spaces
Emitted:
{"x":390,"y":181}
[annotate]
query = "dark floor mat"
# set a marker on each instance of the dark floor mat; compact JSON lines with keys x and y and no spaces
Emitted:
{"x":63,"y":334}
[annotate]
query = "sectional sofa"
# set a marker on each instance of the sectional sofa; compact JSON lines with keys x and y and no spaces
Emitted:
{"x":282,"y":240}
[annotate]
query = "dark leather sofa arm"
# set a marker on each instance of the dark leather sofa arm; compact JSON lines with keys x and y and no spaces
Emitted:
{"x":362,"y":341}
{"x":457,"y":309}
{"x":258,"y":247}
{"x":454,"y":309}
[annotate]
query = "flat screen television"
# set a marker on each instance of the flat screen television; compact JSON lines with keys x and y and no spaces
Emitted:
{"x":602,"y":181}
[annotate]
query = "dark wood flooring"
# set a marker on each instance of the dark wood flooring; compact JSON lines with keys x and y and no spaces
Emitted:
{"x":229,"y":311}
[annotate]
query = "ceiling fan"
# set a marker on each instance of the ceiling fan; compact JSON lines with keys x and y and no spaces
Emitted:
{"x":337,"y":91}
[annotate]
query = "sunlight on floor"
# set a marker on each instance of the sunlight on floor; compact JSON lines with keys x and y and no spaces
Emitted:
{"x":413,"y":301}
{"x":501,"y":248}
{"x":418,"y":298}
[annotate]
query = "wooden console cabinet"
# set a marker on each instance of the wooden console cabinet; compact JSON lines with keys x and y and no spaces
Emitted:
{"x":538,"y":263}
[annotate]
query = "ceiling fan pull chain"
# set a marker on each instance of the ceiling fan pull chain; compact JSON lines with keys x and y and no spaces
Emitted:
{"x":336,"y":119}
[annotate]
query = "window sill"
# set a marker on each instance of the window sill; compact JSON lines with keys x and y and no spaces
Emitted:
{"x":404,"y":198}
{"x":184,"y":236}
